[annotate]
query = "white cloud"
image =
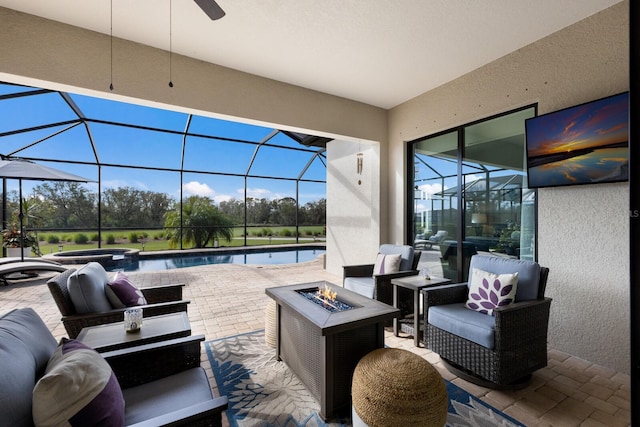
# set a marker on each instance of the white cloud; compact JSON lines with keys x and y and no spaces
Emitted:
{"x":222,"y":198}
{"x":195,"y":188}
{"x":421,"y":207}
{"x":430,"y":189}
{"x":257,"y":193}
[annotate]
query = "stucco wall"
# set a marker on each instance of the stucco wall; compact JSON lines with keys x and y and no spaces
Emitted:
{"x":353,"y":205}
{"x":583,"y":231}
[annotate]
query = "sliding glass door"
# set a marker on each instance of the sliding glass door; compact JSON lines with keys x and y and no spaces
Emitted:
{"x":469,"y":194}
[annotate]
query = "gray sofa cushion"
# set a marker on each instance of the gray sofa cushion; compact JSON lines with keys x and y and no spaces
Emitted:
{"x":166,"y":395}
{"x":362,"y":285}
{"x":405,"y":251}
{"x":528,"y":273}
{"x":459,"y":320}
{"x":25,"y":347}
{"x":86,"y":289}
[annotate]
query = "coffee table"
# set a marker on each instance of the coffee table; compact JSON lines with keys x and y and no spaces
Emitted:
{"x":416,"y":284}
{"x":112,"y":336}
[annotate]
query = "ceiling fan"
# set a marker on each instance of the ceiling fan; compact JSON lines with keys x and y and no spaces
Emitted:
{"x":211,"y":8}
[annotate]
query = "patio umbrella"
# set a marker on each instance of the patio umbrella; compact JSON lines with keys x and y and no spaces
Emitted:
{"x":16,"y":168}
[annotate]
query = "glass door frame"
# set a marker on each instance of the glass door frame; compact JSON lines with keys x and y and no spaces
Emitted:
{"x":410,"y":223}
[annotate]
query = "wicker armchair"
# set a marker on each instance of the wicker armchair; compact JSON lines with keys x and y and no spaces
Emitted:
{"x":163,"y":299}
{"x":357,"y":276}
{"x":519,"y":340}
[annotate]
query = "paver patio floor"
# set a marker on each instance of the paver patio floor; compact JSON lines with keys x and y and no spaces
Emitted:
{"x":228,"y":299}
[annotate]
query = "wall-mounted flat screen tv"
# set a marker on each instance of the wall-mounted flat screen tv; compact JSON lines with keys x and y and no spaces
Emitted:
{"x":584,"y":144}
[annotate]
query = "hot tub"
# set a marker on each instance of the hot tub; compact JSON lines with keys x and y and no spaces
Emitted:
{"x":109,"y":257}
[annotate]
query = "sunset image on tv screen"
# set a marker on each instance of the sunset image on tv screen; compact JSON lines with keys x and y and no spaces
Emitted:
{"x":588,"y":143}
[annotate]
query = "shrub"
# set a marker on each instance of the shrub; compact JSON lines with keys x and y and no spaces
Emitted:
{"x":80,"y":239}
{"x":286,"y":232}
{"x":111,"y":239}
{"x":53,"y":239}
{"x":133,"y":237}
{"x":95,"y":237}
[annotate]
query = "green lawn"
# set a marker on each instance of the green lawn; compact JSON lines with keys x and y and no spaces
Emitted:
{"x":154,"y":240}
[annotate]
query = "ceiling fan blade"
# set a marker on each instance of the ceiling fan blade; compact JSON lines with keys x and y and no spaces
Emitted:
{"x":211,"y":8}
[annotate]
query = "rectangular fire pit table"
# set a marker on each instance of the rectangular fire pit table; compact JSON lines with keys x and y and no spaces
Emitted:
{"x":323,"y":347}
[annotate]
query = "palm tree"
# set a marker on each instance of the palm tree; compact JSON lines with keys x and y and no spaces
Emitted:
{"x":202,"y":223}
{"x":31,"y":217}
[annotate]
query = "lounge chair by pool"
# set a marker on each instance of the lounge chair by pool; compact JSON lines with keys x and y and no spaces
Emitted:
{"x":14,"y":265}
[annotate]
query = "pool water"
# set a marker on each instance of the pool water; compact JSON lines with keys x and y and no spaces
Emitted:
{"x":271,"y":257}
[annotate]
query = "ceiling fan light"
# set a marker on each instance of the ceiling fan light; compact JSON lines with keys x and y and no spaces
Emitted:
{"x":211,"y":8}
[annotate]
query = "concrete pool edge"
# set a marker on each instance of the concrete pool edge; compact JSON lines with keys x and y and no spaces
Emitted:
{"x":115,"y":257}
{"x":230,"y":250}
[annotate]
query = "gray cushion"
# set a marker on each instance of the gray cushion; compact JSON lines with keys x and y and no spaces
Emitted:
{"x":26,"y":325}
{"x":459,"y":320}
{"x":86,"y":289}
{"x":528,"y":273}
{"x":165,"y":395}
{"x":439,"y":236}
{"x":405,"y":251}
{"x":25,"y":347}
{"x":361,"y":285}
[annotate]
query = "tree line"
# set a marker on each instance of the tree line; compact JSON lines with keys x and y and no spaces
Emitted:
{"x":69,"y":205}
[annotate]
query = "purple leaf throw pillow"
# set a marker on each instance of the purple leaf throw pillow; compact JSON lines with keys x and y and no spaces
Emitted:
{"x":123,"y":293}
{"x":488,"y":291}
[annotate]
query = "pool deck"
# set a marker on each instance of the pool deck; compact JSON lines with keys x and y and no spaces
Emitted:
{"x":229,"y":299}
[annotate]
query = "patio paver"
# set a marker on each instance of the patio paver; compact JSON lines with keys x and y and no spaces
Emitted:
{"x":228,"y":299}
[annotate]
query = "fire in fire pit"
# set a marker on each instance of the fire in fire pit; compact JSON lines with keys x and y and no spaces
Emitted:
{"x":326,"y":298}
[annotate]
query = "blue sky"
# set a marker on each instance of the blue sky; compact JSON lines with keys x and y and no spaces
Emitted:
{"x":125,"y":146}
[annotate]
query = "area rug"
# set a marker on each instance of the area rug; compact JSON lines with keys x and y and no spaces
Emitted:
{"x":263,"y":391}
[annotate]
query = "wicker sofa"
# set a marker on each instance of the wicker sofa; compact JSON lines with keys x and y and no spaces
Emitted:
{"x":163,"y":299}
{"x":501,"y":350}
{"x":157,"y":384}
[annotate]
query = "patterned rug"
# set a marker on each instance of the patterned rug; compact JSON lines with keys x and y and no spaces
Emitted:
{"x":264,"y":392}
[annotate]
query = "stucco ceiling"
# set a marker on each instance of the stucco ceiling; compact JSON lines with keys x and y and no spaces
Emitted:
{"x":380,"y":52}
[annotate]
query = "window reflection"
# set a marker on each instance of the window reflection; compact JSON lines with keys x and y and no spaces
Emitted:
{"x":476,"y":202}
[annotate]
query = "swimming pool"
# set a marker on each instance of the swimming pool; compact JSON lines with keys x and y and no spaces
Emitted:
{"x":169,"y":262}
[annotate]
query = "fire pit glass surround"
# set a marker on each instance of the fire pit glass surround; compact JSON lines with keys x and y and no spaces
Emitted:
{"x":325,"y":298}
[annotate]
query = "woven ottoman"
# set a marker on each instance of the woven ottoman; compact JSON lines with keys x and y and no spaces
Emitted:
{"x":394,"y":387}
{"x":270,"y":323}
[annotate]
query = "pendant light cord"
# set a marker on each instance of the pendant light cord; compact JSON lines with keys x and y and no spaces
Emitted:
{"x":170,"y":43}
{"x":111,"y":42}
